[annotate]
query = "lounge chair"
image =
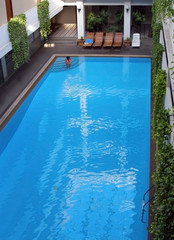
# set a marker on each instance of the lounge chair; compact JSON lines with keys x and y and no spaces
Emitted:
{"x":98,"y":39}
{"x":89,"y":39}
{"x":108,"y":41}
{"x":136,"y":40}
{"x":118,"y":39}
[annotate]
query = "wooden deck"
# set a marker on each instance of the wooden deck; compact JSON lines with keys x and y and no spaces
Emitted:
{"x":66,"y":30}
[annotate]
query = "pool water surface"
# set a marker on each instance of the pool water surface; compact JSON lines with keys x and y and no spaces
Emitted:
{"x":74,"y":158}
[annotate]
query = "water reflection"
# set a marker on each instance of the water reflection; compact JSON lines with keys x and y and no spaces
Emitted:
{"x":77,"y":172}
{"x":95,"y":196}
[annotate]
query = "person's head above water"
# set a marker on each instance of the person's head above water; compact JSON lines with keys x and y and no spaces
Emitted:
{"x":68,"y":60}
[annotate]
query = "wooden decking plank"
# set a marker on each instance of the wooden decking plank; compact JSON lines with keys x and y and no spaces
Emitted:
{"x":67,"y":30}
{"x":61,"y":31}
{"x":72,"y":31}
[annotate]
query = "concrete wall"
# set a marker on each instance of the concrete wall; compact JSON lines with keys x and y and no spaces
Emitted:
{"x":117,"y":2}
{"x":141,"y":2}
{"x":103,"y":2}
{"x":68,"y":15}
{"x":3,"y":16}
{"x":21,"y":6}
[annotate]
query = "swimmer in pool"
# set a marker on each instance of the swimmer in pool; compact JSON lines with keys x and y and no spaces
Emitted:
{"x":68,"y":60}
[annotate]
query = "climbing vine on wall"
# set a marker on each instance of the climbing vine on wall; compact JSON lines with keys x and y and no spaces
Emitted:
{"x":44,"y":20}
{"x":163,"y":177}
{"x":162,"y":226}
{"x":19,"y":40}
{"x":164,"y":8}
{"x":157,"y":47}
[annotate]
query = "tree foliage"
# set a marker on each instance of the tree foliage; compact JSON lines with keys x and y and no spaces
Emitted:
{"x":138,"y":17}
{"x":164,"y":8}
{"x":96,"y":22}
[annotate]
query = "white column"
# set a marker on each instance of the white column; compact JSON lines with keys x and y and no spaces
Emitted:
{"x":127,"y":19}
{"x":80,"y":20}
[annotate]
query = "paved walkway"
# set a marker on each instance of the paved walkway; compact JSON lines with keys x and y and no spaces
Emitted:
{"x":18,"y":82}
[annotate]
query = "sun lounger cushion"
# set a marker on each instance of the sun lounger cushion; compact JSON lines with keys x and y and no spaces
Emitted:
{"x":87,"y":40}
{"x":136,"y":40}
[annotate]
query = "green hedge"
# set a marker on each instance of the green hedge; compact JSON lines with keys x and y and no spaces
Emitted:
{"x":19,"y":40}
{"x":44,"y":20}
{"x":162,"y":226}
{"x":161,"y":125}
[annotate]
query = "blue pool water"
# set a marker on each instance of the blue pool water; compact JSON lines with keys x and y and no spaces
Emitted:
{"x":74,"y":158}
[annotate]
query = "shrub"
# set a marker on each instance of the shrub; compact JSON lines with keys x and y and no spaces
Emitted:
{"x":19,"y":40}
{"x":44,"y":20}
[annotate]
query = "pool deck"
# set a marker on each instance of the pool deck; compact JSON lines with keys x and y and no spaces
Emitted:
{"x":10,"y":91}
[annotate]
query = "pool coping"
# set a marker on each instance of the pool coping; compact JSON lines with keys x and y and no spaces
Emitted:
{"x":21,"y":97}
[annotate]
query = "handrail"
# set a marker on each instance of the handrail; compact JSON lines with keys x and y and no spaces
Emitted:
{"x":145,"y":203}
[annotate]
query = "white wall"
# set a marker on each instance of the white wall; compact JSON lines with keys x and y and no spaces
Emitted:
{"x":127,"y":19}
{"x":80,"y":20}
{"x":142,"y":2}
{"x":32,"y":24}
{"x":3,"y":15}
{"x":117,"y":2}
{"x":68,"y":15}
{"x":21,"y":6}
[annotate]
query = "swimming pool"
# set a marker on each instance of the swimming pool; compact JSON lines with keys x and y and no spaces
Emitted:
{"x":75,"y":156}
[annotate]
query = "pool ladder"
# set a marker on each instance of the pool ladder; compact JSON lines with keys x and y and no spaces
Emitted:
{"x":145,"y":203}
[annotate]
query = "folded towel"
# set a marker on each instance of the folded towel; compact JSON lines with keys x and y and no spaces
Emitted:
{"x":88,"y":41}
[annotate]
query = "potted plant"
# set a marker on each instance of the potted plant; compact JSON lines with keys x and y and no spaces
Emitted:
{"x":127,"y":42}
{"x":80,"y":41}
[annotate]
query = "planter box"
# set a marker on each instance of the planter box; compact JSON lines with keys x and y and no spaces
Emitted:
{"x":127,"y":43}
{"x":80,"y":42}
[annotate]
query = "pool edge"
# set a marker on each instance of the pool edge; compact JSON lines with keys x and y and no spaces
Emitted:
{"x":21,"y":97}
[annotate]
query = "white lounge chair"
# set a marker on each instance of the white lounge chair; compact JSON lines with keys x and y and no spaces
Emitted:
{"x":136,"y":40}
